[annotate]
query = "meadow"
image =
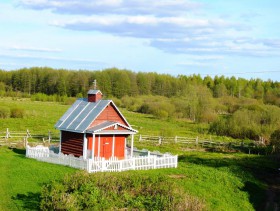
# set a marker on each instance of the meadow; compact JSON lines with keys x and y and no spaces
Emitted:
{"x":219,"y":180}
{"x":40,"y":117}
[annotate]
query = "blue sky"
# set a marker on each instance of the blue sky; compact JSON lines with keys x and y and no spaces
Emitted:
{"x":230,"y":38}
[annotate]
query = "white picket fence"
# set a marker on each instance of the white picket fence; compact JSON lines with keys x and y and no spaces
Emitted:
{"x":42,"y":153}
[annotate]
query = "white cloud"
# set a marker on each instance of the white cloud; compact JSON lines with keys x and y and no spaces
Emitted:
{"x":149,"y":26}
{"x":220,"y":46}
{"x":30,"y":56}
{"x":135,"y":7}
{"x":28,"y":48}
{"x":168,"y":25}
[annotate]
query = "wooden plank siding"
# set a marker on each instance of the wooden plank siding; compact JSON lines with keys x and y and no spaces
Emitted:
{"x":108,"y":114}
{"x":72,"y":143}
{"x":119,"y":150}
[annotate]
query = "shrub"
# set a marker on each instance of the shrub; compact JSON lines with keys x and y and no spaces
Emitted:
{"x":117,"y":101}
{"x":4,"y":112}
{"x":275,"y":141}
{"x":131,"y":103}
{"x":115,"y":191}
{"x":161,"y":114}
{"x":17,"y":113}
{"x":144,"y":109}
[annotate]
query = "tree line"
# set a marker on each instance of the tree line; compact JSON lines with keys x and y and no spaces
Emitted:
{"x":234,"y":107}
{"x":119,"y":83}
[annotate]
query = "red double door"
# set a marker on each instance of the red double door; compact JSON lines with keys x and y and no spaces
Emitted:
{"x":106,"y":148}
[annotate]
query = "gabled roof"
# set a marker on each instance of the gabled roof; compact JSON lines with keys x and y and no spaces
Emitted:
{"x":82,"y":113}
{"x":101,"y":128}
{"x":94,"y":91}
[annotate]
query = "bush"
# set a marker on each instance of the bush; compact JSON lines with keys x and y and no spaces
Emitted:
{"x":4,"y":112}
{"x":131,"y":103}
{"x":144,"y":109}
{"x":17,"y":113}
{"x":161,"y":114}
{"x":117,"y":101}
{"x":275,"y":141}
{"x":115,"y":191}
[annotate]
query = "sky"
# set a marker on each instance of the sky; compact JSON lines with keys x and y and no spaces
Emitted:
{"x":178,"y":37}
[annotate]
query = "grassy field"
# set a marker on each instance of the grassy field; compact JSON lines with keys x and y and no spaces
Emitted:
{"x":40,"y":117}
{"x":22,"y":178}
{"x":221,"y":181}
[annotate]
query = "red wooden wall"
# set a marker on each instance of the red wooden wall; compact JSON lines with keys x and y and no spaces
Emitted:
{"x":108,"y":114}
{"x":72,"y":143}
{"x":119,"y":146}
{"x":94,"y":97}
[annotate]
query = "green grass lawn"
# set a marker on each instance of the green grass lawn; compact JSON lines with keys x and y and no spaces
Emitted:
{"x":39,"y":118}
{"x":21,"y":179}
{"x":222,"y":181}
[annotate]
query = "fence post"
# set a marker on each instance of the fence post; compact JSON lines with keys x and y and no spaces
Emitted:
{"x":133,"y":163}
{"x":175,"y":139}
{"x":155,"y":162}
{"x":87,"y":168}
{"x":196,"y":141}
{"x":103,"y":165}
{"x":159,"y":140}
{"x":27,"y":151}
{"x":50,"y":136}
{"x":28,"y":134}
{"x":7,"y":133}
{"x":140,"y":138}
{"x":24,"y":142}
{"x":121,"y":166}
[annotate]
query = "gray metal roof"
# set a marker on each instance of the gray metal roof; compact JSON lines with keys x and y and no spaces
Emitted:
{"x":107,"y":124}
{"x":94,"y":91}
{"x":101,"y":126}
{"x":82,"y":113}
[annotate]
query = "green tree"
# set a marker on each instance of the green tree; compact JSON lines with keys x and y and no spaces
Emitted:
{"x":220,"y":90}
{"x":120,"y":83}
{"x":275,"y":141}
{"x":143,"y":83}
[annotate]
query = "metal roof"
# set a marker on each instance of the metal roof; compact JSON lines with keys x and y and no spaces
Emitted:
{"x":94,"y":91}
{"x":82,"y":113}
{"x":99,"y":128}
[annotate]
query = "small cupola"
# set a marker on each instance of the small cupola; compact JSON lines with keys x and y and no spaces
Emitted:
{"x":94,"y":95}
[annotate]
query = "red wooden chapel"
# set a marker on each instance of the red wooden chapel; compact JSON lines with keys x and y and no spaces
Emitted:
{"x":93,"y":127}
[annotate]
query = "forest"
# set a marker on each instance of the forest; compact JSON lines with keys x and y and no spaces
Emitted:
{"x":234,"y":107}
